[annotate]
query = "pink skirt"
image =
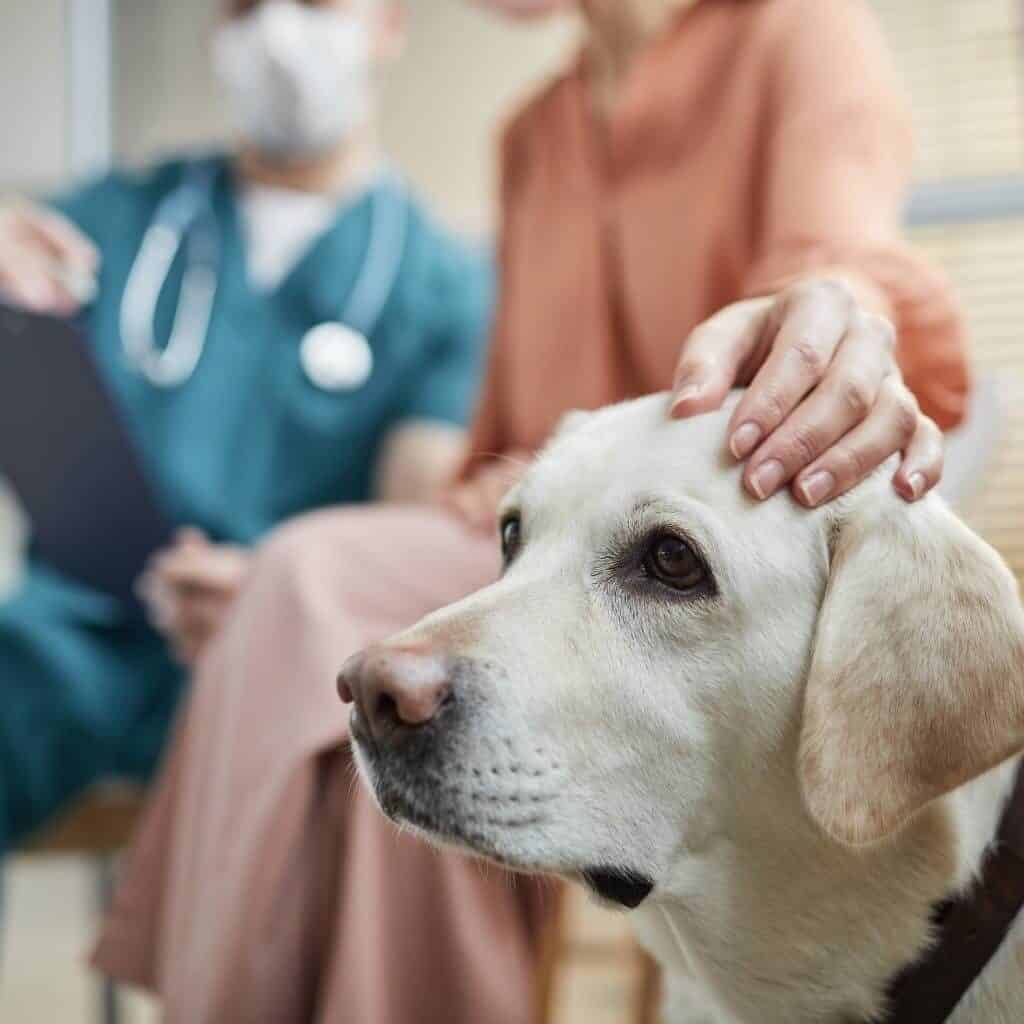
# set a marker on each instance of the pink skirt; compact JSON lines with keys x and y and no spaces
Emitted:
{"x":264,"y":885}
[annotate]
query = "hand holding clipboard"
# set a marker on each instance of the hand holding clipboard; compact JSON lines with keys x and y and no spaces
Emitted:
{"x":66,"y":452}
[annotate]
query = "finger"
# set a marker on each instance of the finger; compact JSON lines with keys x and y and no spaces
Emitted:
{"x":842,"y":400}
{"x":69,"y":258}
{"x":186,"y":650}
{"x":213,"y":568}
{"x":173,"y":561}
{"x":466,"y":502}
{"x":181,"y":573}
{"x":200,"y":613}
{"x":161,"y":600}
{"x":469,"y":500}
{"x":887,"y":430}
{"x":190,"y":535}
{"x":816,"y":318}
{"x":58,"y":236}
{"x":491,"y":488}
{"x":711,"y":357}
{"x":143,"y":586}
{"x":28,"y":281}
{"x":228,"y":568}
{"x":456,"y":500}
{"x":161,"y":609}
{"x":195,"y":624}
{"x":483,"y":505}
{"x":155,"y":567}
{"x":23,"y":286}
{"x":496,"y":492}
{"x":201,"y":572}
{"x":179,"y":553}
{"x":923,"y":458}
{"x":161,"y":617}
{"x":147,"y":587}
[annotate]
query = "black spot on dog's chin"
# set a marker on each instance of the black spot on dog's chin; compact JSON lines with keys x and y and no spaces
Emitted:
{"x":626,"y":888}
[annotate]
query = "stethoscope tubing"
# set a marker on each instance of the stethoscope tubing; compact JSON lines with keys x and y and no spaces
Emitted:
{"x":178,"y":221}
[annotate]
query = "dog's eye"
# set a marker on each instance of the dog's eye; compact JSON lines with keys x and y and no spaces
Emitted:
{"x":673,"y":562}
{"x":510,"y":529}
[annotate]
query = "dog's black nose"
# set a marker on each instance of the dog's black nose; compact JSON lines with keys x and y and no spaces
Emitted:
{"x":395,"y":690}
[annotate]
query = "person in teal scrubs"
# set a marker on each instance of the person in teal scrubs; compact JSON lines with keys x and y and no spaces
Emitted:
{"x":304,"y":228}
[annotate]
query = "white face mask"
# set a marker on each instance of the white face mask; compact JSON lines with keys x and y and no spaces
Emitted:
{"x":299,"y":79}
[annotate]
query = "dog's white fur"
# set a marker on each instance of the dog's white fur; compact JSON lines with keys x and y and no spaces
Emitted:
{"x":803,"y":763}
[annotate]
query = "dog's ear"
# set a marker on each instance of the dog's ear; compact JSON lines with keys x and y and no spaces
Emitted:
{"x":916,"y":682}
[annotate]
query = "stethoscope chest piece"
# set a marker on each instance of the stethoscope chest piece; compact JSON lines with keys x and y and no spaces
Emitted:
{"x":335,"y":357}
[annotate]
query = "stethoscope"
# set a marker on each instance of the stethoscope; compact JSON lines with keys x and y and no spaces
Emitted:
{"x":335,"y":355}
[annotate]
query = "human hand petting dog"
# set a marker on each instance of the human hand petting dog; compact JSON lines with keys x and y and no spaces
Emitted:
{"x":188,"y":589}
{"x":825,"y":404}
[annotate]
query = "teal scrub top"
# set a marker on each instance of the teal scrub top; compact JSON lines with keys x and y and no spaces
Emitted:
{"x":248,"y":440}
{"x":87,"y":691}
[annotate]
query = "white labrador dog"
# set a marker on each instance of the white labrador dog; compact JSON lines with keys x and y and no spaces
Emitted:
{"x":781,"y":735}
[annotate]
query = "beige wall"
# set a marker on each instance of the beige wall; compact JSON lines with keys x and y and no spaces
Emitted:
{"x":461,"y":70}
{"x":32,"y":91}
{"x":165,"y":97}
{"x":462,"y":73}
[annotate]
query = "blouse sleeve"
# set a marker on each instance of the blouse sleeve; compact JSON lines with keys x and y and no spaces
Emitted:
{"x":488,"y":434}
{"x":837,"y":156}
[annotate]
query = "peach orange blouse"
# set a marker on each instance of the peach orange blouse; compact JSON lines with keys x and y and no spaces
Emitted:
{"x":755,"y":142}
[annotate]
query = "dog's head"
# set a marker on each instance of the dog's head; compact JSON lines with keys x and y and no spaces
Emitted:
{"x":662,"y":655}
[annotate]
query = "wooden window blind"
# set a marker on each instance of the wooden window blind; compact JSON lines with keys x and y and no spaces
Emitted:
{"x":964,"y":65}
{"x":961,"y":60}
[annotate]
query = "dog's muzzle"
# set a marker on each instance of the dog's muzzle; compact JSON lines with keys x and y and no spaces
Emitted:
{"x":438,"y":758}
{"x":416,"y":723}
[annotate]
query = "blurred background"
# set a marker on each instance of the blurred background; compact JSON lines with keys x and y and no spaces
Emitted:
{"x":84,"y":82}
{"x":87,"y":82}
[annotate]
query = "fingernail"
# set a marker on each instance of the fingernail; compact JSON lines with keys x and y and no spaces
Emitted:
{"x":817,"y":487}
{"x":685,"y":394}
{"x":916,"y":482}
{"x":745,"y":440}
{"x":765,"y":480}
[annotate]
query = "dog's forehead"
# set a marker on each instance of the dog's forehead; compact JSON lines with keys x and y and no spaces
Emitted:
{"x":635,"y":447}
{"x":603,"y":466}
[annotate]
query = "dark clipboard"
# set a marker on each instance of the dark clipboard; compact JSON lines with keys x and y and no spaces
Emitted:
{"x":66,"y":451}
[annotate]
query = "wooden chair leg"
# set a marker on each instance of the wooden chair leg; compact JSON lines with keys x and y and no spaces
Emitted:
{"x":552,"y":945}
{"x":648,"y":1003}
{"x":109,"y":998}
